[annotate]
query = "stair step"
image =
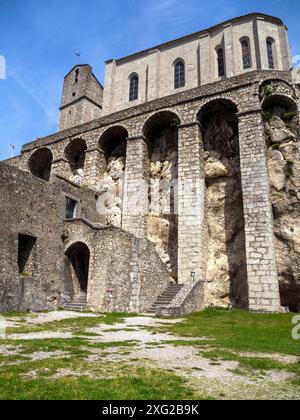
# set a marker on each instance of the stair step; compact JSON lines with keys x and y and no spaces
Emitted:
{"x":78,"y":303}
{"x":166,"y":298}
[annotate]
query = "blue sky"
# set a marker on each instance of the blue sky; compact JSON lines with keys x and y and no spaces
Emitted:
{"x":39,"y":38}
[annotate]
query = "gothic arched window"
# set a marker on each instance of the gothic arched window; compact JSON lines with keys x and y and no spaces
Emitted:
{"x":179,"y":74}
{"x":221,"y":62}
{"x":246,"y":54}
{"x":134,"y":88}
{"x":270,"y":51}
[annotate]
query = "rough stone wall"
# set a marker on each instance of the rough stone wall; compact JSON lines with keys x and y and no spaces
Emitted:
{"x":126,"y":274}
{"x":79,"y":112}
{"x":226,"y":273}
{"x":283,"y":157}
{"x":162,"y":219}
{"x":30,"y":206}
{"x":244,"y":91}
{"x":81,"y":98}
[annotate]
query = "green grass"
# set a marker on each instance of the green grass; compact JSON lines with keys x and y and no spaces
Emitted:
{"x":239,"y":330}
{"x":112,"y":381}
{"x":219,"y":336}
{"x":74,"y":324}
{"x":252,"y":363}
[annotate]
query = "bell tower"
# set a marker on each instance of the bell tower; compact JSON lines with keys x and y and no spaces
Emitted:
{"x":81,"y":98}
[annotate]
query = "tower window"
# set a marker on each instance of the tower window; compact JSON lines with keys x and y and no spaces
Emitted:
{"x":179,"y":75}
{"x":71,"y":208}
{"x":246,"y":54}
{"x":76,"y":75}
{"x":270,"y":51}
{"x":221,"y":62}
{"x":134,"y":88}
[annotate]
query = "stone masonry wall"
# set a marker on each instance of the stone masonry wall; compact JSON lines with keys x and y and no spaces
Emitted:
{"x":126,"y":274}
{"x":244,"y":92}
{"x":30,"y":206}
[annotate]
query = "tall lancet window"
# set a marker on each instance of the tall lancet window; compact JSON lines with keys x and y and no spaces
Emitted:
{"x":134,"y":88}
{"x":246,"y":54}
{"x":221,"y":62}
{"x":179,"y":75}
{"x":270,"y":50}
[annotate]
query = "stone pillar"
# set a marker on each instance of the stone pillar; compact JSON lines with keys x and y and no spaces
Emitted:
{"x":260,"y":247}
{"x":136,"y":202}
{"x":94,"y":168}
{"x":191,"y":204}
{"x":61,"y":168}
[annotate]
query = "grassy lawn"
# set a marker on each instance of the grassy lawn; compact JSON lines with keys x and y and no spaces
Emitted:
{"x":83,"y":366}
{"x":126,"y":382}
{"x":242,"y":331}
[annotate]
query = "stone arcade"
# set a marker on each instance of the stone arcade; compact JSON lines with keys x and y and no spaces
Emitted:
{"x":174,"y":187}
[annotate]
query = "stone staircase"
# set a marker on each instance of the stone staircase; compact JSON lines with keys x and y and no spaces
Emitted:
{"x":165,"y":299}
{"x":78,"y":303}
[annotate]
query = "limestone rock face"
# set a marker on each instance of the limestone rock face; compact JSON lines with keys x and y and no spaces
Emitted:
{"x":163,"y":233}
{"x":110,"y":192}
{"x":278,"y":131}
{"x":162,"y":222}
{"x":284,"y":175}
{"x":276,"y":167}
{"x":215,"y":169}
{"x":226,"y":273}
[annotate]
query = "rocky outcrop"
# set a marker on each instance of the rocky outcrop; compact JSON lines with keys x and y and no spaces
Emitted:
{"x":162,"y":221}
{"x":111,"y":190}
{"x":283,"y":156}
{"x":226,"y":273}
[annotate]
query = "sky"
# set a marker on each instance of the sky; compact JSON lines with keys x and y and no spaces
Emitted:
{"x":39,"y":39}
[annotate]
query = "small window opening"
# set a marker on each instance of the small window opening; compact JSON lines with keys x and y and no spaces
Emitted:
{"x":71,"y":208}
{"x":134,"y":88}
{"x":76,"y":75}
{"x":26,"y":255}
{"x":221,"y":62}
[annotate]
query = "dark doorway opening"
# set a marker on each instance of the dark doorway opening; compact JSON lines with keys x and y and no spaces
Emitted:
{"x":78,"y":258}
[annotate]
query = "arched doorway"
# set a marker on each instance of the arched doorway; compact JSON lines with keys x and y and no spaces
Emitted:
{"x":161,"y":134}
{"x":40,"y":163}
{"x":113,"y":143}
{"x":282,"y":134}
{"x":226,"y":251}
{"x":77,"y":268}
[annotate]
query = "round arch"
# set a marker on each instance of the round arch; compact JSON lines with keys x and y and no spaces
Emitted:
{"x":160,"y":121}
{"x":40,"y":163}
{"x":113,"y":141}
{"x":280,"y":101}
{"x":219,"y":126}
{"x":75,"y":154}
